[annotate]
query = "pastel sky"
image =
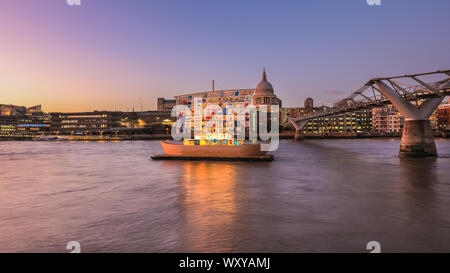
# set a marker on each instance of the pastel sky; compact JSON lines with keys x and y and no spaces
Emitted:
{"x":106,"y":54}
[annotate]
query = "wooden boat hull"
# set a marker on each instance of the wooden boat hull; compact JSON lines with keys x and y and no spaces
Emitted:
{"x":224,"y":151}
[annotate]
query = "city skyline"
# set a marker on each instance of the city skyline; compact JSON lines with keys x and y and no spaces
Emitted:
{"x":108,"y":55}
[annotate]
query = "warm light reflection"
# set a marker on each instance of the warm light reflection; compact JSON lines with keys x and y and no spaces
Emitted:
{"x":210,"y":204}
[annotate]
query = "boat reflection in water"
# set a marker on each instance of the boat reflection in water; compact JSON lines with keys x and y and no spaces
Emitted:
{"x":209,"y":203}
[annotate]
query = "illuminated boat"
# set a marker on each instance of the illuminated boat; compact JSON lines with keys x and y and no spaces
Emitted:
{"x":231,"y":150}
{"x":189,"y":150}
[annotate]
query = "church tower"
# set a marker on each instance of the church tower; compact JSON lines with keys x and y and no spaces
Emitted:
{"x":264,"y":94}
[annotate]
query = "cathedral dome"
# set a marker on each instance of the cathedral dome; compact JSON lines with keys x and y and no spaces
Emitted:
{"x":264,"y":88}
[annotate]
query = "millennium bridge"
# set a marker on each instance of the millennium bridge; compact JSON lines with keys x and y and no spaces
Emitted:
{"x":413,"y":96}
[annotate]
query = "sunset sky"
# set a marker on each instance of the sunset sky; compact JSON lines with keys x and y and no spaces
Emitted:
{"x":106,"y":54}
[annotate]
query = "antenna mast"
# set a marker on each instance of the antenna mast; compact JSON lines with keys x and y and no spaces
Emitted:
{"x":140,"y":101}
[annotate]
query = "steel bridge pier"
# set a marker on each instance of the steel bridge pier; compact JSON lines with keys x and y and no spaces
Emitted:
{"x":299,"y":130}
{"x":417,"y":138}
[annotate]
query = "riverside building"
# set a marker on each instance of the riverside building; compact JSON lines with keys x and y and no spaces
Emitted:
{"x":387,"y":119}
{"x":353,"y":122}
{"x":20,"y":120}
{"x":443,"y":117}
{"x":84,"y":122}
{"x":112,"y":122}
{"x":165,"y":105}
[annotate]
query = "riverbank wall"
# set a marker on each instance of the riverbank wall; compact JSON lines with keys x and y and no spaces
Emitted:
{"x":283,"y":135}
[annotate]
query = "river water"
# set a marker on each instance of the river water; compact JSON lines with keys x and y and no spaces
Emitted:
{"x":316,"y":196}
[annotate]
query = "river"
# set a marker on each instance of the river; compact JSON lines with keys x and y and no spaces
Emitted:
{"x":316,"y":196}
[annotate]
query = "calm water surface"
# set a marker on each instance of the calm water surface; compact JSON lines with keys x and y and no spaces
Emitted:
{"x":318,"y":195}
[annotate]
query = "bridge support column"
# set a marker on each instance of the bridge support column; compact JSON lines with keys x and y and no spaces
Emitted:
{"x":417,"y":138}
{"x":299,"y":128}
{"x":299,"y":135}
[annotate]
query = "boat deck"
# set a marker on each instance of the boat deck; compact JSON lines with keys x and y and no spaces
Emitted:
{"x":203,"y":158}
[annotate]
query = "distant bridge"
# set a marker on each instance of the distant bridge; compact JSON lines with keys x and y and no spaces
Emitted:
{"x":417,"y":139}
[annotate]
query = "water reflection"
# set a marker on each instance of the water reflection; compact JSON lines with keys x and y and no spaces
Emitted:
{"x":419,"y":174}
{"x":420,"y":181}
{"x":209,"y":205}
{"x":420,"y":219}
{"x":316,"y":196}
